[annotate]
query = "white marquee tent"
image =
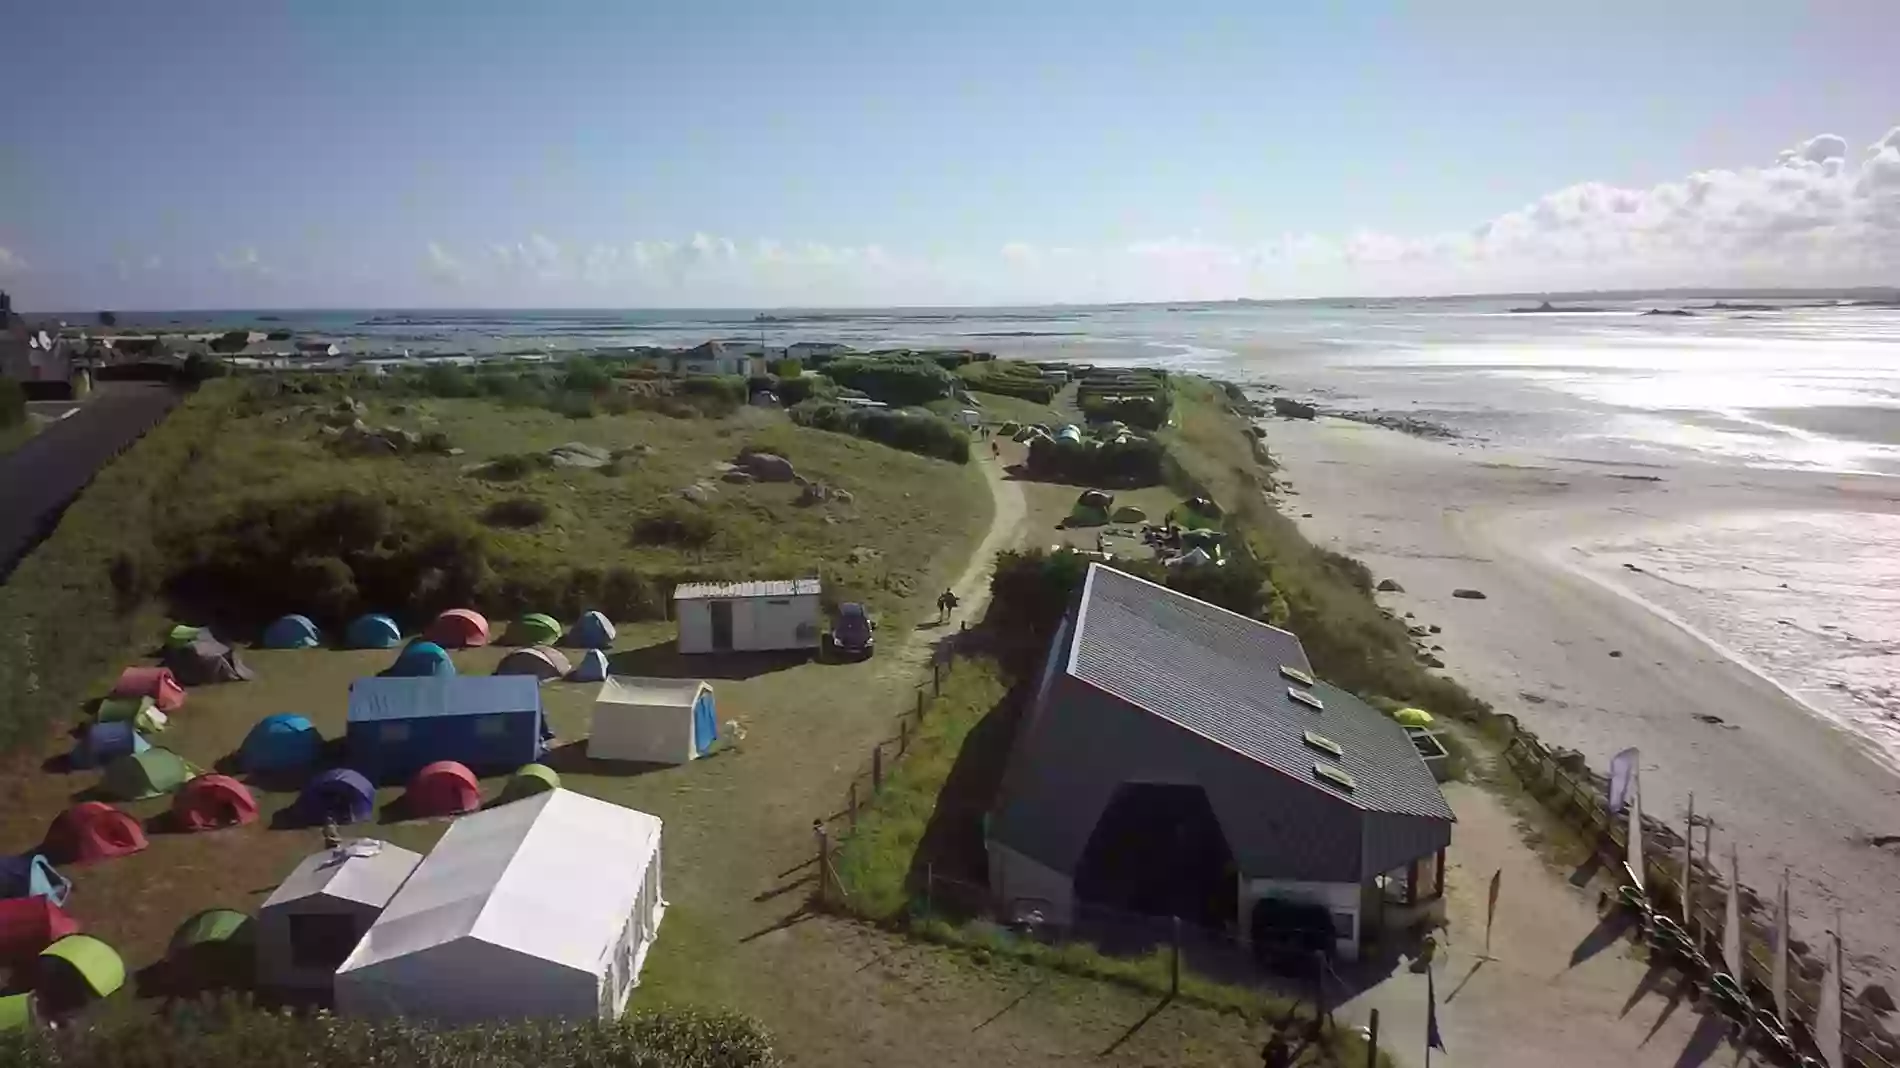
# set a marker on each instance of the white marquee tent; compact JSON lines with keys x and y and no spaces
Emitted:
{"x":661,"y":721}
{"x":540,"y":908}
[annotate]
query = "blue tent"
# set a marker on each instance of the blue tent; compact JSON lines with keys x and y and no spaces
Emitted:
{"x":105,"y":742}
{"x":372,"y":632}
{"x":31,"y":875}
{"x":592,"y":668}
{"x":594,"y":631}
{"x":280,"y":743}
{"x":487,"y":722}
{"x":338,"y":794}
{"x":419,"y":660}
{"x":292,"y":632}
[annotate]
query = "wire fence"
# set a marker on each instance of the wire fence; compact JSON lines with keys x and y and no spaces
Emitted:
{"x":1572,"y":791}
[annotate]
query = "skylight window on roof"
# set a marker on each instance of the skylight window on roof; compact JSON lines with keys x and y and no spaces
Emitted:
{"x":1294,"y":674}
{"x":1306,"y":699}
{"x":1335,"y":776}
{"x":1323,"y":744}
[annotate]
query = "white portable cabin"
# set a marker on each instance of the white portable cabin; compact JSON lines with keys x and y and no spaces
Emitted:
{"x":749,"y":616}
{"x":654,"y":721}
{"x":541,"y":908}
{"x":319,"y":913}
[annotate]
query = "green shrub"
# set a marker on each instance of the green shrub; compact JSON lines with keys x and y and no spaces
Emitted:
{"x":675,"y":523}
{"x":231,"y":1033}
{"x":516,"y":512}
{"x":792,"y":391}
{"x":12,"y":403}
{"x":1009,"y":378}
{"x":516,"y":465}
{"x":1149,"y":413}
{"x":923,"y":434}
{"x":1136,"y":462}
{"x":786,"y":368}
{"x":582,"y":375}
{"x":713,"y":396}
{"x":895,"y":380}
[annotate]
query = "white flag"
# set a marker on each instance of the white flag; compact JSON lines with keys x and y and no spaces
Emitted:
{"x":1622,"y":775}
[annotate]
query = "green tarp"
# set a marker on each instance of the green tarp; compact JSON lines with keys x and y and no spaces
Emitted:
{"x":530,"y":780}
{"x":147,"y":774}
{"x":92,"y":960}
{"x":535,"y":629}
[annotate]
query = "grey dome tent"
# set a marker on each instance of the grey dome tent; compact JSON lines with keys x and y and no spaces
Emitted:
{"x":206,"y":660}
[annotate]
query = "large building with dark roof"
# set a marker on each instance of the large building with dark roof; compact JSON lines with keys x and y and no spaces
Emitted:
{"x":1180,"y":759}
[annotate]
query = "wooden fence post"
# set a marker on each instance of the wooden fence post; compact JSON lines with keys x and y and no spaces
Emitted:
{"x":824,"y":859}
{"x":930,"y":876}
{"x":877,"y":768}
{"x":920,"y":704}
{"x":854,"y":804}
{"x":903,"y":737}
{"x":936,"y":678}
{"x":1174,"y":960}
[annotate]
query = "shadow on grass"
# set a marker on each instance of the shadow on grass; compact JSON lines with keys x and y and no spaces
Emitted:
{"x":572,"y":759}
{"x":664,"y":660}
{"x":1135,"y":1028}
{"x":952,"y":842}
{"x":790,"y":920}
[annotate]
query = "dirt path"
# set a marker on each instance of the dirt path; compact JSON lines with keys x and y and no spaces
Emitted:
{"x":972,"y":586}
{"x":1564,"y":990}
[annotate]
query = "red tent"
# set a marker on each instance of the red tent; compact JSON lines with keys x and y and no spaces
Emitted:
{"x":30,"y":924}
{"x":458,"y":628}
{"x":212,"y":801}
{"x":156,"y":683}
{"x":93,"y":830}
{"x":444,"y":788}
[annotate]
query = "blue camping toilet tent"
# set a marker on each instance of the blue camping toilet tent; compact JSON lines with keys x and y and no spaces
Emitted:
{"x":421,"y":659}
{"x":338,"y":794}
{"x":593,"y":631}
{"x":592,"y":668}
{"x":105,"y":742}
{"x":486,"y":722}
{"x":280,"y":743}
{"x":292,"y":632}
{"x":32,"y":875}
{"x":372,"y":632}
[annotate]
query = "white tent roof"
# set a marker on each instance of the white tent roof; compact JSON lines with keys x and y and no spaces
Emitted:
{"x":352,"y":873}
{"x":660,"y":693}
{"x":526,"y":876}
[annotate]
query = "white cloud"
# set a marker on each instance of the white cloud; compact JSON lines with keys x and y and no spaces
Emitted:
{"x":246,"y":261}
{"x":11,"y":262}
{"x":440,"y":265}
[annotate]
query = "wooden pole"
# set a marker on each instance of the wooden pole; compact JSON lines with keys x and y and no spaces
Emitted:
{"x":920,"y":704}
{"x":936,"y":678}
{"x":824,"y":859}
{"x":903,"y":737}
{"x":1174,"y":961}
{"x":854,"y":804}
{"x":877,"y":768}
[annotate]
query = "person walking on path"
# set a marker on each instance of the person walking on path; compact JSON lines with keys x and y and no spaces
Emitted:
{"x":946,"y":604}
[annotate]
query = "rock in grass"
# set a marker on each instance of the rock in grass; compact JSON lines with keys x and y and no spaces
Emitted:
{"x":1292,"y":409}
{"x":1390,"y":586}
{"x":767,"y":467}
{"x":1468,"y":594}
{"x":579,"y":454}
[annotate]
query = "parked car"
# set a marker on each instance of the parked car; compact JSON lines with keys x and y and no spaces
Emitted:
{"x":853,"y":634}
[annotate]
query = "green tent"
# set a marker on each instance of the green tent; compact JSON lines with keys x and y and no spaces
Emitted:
{"x":181,"y":635}
{"x":535,"y":629}
{"x":141,"y":712}
{"x":212,"y":926}
{"x":1413,"y":717}
{"x":530,"y":780}
{"x":148,"y":774}
{"x":1084,"y":515}
{"x":1128,"y":513}
{"x":95,"y":963}
{"x":16,"y":1012}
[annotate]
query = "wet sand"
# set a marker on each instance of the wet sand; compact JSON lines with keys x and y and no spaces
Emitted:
{"x":1571,"y":643}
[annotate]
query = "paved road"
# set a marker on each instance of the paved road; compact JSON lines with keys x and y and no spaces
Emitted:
{"x":43,"y":475}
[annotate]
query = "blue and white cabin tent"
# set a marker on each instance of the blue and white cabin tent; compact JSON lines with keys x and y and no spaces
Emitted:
{"x":105,"y":742}
{"x":593,"y":631}
{"x":653,"y":721}
{"x":292,"y":632}
{"x":372,"y":632}
{"x":488,"y":722}
{"x":32,"y":875}
{"x":593,"y":667}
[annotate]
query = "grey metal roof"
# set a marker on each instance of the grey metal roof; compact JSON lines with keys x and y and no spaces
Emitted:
{"x":1217,"y":673}
{"x":694,"y":591}
{"x":343,"y":873}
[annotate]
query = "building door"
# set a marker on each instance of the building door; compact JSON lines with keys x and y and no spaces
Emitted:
{"x":721,"y":625}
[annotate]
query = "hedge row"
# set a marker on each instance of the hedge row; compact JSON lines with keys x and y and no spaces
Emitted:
{"x":895,"y":380}
{"x":1009,"y":379}
{"x":229,"y":1033}
{"x":1136,"y":462}
{"x":921,"y":433}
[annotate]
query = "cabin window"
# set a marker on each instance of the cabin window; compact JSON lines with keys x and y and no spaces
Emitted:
{"x":1306,"y":699}
{"x":1323,"y":744}
{"x":1335,"y":776}
{"x":491,"y":726}
{"x":393,"y":732}
{"x":1343,"y":926}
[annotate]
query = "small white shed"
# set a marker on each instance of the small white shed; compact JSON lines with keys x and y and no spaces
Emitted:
{"x":655,"y":721}
{"x":541,"y":908}
{"x":318,"y":914}
{"x":749,"y":616}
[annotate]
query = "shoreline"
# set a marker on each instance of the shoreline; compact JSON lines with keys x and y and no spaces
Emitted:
{"x":1590,"y":663}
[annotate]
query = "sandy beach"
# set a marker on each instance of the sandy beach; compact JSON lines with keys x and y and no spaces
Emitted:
{"x":1582,"y":635}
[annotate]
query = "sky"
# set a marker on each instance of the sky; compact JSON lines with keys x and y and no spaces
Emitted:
{"x":452,"y":153}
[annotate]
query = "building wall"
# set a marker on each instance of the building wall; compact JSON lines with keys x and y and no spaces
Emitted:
{"x":1075,"y":750}
{"x":758,"y":624}
{"x":276,"y":966}
{"x":1022,"y":884}
{"x":468,"y":981}
{"x":1346,"y":901}
{"x":388,"y":750}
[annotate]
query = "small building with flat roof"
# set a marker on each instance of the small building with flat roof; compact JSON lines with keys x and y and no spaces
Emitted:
{"x":727,"y":617}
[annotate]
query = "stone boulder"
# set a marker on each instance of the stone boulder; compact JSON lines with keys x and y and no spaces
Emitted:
{"x":579,"y":454}
{"x":1390,"y":586}
{"x":1467,"y":594}
{"x":698,"y":493}
{"x":767,"y":467}
{"x":738,"y":475}
{"x":1291,"y":409}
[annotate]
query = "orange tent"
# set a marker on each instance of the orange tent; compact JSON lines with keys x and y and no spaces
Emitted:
{"x":212,"y":801}
{"x":458,"y":628}
{"x":93,"y":830}
{"x":156,"y":683}
{"x":443,"y":788}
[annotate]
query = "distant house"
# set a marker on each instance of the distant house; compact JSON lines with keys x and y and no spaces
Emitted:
{"x":721,"y":358}
{"x":813,"y":353}
{"x":1179,"y":760}
{"x":399,"y":724}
